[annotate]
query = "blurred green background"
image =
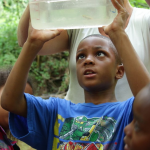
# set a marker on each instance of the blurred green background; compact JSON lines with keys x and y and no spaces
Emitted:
{"x":50,"y":73}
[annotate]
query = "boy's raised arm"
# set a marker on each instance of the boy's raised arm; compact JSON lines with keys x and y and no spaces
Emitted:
{"x":13,"y":94}
{"x":136,"y":72}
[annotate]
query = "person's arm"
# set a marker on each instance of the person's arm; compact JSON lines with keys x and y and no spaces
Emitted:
{"x":22,"y":31}
{"x":12,"y":98}
{"x":50,"y":47}
{"x":136,"y":73}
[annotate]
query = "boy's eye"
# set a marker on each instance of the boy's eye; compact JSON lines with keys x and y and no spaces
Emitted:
{"x":81,"y":56}
{"x":136,"y":126}
{"x":100,"y":54}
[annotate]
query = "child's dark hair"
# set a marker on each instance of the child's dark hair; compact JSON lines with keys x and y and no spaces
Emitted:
{"x":118,"y":60}
{"x":4,"y":73}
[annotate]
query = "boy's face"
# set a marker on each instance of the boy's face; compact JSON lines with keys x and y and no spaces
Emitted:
{"x":96,"y":64}
{"x":138,"y":131}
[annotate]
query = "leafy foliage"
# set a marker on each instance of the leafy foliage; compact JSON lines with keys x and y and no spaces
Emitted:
{"x":50,"y":72}
{"x":139,"y":3}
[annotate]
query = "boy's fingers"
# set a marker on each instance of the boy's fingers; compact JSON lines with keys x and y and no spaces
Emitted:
{"x":54,"y":33}
{"x":117,"y":5}
{"x":57,"y":30}
{"x":60,"y":30}
{"x":121,"y":2}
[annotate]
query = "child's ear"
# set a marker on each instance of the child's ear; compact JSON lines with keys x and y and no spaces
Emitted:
{"x":119,"y":71}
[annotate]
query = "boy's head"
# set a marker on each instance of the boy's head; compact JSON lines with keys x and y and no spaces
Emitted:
{"x":97,"y":63}
{"x":4,"y":73}
{"x":138,"y":131}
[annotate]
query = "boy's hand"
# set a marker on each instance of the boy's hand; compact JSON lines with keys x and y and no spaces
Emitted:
{"x":39,"y":37}
{"x":120,"y":20}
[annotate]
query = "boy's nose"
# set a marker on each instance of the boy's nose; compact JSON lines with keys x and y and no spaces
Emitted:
{"x":89,"y":61}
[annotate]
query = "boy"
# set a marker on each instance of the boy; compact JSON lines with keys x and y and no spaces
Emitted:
{"x":137,"y":29}
{"x":99,"y":122}
{"x":138,"y":131}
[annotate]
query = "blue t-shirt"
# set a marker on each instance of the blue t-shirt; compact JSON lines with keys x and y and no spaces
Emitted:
{"x":59,"y":124}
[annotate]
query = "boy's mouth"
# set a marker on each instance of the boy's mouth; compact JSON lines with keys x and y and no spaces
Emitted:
{"x":89,"y":73}
{"x":126,"y":147}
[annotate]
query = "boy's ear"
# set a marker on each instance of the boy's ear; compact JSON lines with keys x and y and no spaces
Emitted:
{"x":119,"y":71}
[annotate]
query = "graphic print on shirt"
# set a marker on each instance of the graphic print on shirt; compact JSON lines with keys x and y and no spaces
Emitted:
{"x":82,"y":133}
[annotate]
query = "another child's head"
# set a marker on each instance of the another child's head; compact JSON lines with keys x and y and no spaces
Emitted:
{"x":98,"y":64}
{"x":138,"y":131}
{"x":4,"y":73}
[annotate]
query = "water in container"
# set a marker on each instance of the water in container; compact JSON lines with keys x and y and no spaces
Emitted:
{"x":71,"y":14}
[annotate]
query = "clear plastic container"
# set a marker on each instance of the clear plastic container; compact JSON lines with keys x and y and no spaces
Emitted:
{"x":71,"y":14}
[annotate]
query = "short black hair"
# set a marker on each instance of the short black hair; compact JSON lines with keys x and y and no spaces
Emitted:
{"x":4,"y":73}
{"x":118,"y":60}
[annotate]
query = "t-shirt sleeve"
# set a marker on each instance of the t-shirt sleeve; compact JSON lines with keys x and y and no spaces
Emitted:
{"x":39,"y":123}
